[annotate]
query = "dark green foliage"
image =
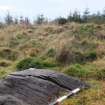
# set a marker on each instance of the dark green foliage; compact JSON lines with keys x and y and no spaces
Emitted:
{"x":28,"y":63}
{"x":40,"y":19}
{"x":75,"y":17}
{"x":91,"y":56}
{"x":98,"y":17}
{"x":77,"y":71}
{"x":8,"y":19}
{"x":61,"y":20}
{"x":51,"y":52}
{"x":34,"y":63}
{"x":86,"y":15}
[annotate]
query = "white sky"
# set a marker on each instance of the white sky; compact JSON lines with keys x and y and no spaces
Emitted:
{"x":50,"y":8}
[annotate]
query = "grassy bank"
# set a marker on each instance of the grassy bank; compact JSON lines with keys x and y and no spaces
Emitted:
{"x":75,"y":49}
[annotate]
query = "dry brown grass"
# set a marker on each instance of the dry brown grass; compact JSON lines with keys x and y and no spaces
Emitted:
{"x":39,"y":41}
{"x":93,"y":96}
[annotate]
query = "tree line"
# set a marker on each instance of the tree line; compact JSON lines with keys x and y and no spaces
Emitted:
{"x":86,"y":17}
{"x":76,"y":16}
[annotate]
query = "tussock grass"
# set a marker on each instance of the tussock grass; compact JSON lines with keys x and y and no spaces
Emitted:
{"x":75,"y":49}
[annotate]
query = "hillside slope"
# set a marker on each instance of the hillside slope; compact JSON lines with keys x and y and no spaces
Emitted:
{"x":75,"y":49}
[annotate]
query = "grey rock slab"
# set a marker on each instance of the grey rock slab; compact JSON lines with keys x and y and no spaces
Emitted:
{"x":35,"y":87}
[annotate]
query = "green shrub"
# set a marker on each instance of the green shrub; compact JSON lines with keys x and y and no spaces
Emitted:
{"x":33,"y":63}
{"x":28,"y":63}
{"x":61,"y":20}
{"x":77,"y":71}
{"x":51,"y":52}
{"x":87,"y":29}
{"x":91,"y":56}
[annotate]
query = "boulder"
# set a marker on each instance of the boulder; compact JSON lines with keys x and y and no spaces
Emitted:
{"x":36,"y":87}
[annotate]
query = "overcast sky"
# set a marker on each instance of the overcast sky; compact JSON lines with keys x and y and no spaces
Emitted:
{"x":50,"y":8}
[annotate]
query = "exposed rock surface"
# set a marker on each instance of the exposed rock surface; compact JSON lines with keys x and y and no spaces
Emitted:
{"x":35,"y":87}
